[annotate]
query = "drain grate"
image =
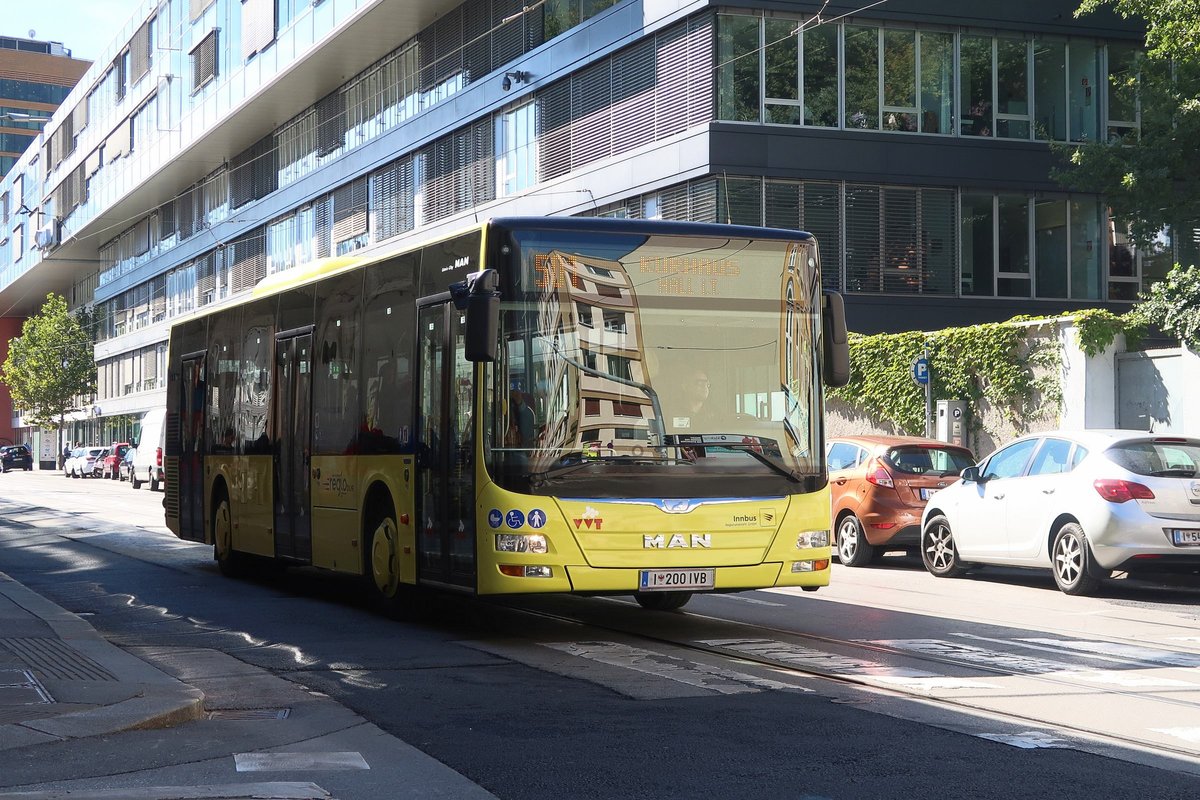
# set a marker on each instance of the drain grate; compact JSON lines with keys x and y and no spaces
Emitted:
{"x":249,"y":713}
{"x":56,"y":659}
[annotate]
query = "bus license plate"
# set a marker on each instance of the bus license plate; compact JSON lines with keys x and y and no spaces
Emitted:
{"x":1185,"y":538}
{"x":657,"y":580}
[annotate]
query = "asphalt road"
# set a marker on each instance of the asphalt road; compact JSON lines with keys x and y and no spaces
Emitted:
{"x":890,"y":684}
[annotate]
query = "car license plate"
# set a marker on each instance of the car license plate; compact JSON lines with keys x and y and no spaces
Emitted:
{"x":657,"y":580}
{"x":1184,"y":538}
{"x":925,"y":493}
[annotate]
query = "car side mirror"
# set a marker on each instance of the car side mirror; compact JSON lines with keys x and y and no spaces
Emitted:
{"x":971,"y":475}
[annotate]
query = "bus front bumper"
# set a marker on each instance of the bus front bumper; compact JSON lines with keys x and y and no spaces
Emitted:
{"x":592,"y":580}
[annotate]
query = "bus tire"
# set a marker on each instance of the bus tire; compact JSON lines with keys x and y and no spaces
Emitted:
{"x":662,"y":601}
{"x":153,"y":480}
{"x":230,"y":562}
{"x":133,"y":479}
{"x":381,"y":567}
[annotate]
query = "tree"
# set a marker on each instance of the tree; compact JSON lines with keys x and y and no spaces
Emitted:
{"x":1151,"y":178}
{"x":49,"y":364}
{"x":1173,"y":304}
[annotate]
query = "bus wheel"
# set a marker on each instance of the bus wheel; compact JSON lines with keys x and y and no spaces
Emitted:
{"x":229,"y":561}
{"x":383,"y":563}
{"x":662,"y":601}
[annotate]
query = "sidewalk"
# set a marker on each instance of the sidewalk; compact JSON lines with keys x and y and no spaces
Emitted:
{"x":60,"y":680}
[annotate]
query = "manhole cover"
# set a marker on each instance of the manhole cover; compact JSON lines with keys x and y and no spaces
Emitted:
{"x":249,"y":713}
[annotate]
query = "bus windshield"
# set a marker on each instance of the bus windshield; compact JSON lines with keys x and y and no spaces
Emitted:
{"x":657,"y":366}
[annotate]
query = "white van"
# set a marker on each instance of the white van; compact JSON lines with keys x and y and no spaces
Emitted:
{"x":148,"y":460}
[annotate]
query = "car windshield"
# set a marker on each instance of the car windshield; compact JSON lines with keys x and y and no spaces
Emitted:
{"x":931,"y":460}
{"x":1158,"y":457}
{"x":669,"y":365}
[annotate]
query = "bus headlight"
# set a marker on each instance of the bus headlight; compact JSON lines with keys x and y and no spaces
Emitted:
{"x":518,"y":543}
{"x":810,"y":566}
{"x":807,"y":539}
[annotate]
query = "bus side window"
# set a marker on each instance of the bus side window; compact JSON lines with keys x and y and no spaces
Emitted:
{"x":385,"y":416}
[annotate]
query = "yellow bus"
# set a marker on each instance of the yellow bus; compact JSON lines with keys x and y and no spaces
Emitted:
{"x":580,"y":405}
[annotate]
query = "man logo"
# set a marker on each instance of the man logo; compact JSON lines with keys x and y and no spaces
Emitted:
{"x":677,"y":540}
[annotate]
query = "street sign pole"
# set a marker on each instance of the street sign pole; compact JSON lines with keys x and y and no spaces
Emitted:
{"x":928,"y":397}
{"x":921,"y":377}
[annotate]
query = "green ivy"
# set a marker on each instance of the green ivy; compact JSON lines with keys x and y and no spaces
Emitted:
{"x":996,"y":362}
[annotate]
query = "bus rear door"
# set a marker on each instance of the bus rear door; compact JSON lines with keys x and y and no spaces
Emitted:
{"x":192,"y":396}
{"x":445,"y":489}
{"x":293,"y":444}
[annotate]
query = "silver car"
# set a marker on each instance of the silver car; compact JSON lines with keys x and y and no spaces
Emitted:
{"x":1083,"y":504}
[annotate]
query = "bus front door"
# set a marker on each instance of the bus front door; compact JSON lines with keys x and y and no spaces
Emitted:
{"x":191,"y":450}
{"x":293,"y":445}
{"x":445,"y":490}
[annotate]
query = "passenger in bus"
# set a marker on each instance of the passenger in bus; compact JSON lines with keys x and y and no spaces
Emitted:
{"x":521,"y":421}
{"x":228,"y":443}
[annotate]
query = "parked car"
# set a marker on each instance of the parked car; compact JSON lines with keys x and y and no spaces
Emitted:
{"x":125,"y":468}
{"x":82,"y":463}
{"x":148,"y":463}
{"x":112,"y":460}
{"x":98,"y":464}
{"x":878,"y":489}
{"x":1081,"y":504}
{"x":16,"y":456}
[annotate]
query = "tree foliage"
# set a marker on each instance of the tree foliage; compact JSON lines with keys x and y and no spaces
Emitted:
{"x":1150,"y":179}
{"x":49,"y":364}
{"x":1173,"y":304}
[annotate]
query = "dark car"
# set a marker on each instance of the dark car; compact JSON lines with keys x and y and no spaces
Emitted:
{"x":16,"y":456}
{"x":125,"y":468}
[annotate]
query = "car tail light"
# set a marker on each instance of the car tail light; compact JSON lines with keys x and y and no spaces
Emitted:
{"x":158,"y":456}
{"x":1118,"y":491}
{"x":878,"y":475}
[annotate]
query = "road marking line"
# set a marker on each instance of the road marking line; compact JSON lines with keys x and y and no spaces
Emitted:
{"x":1027,"y":740}
{"x":279,"y":762}
{"x":1122,"y":652}
{"x":808,"y":658}
{"x":673,"y":668}
{"x":1187,"y":734}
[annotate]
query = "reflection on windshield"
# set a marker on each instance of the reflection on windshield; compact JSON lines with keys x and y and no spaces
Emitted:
{"x":651,"y":355}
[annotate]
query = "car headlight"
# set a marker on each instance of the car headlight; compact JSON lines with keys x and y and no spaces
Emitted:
{"x":807,"y":539}
{"x":519,"y":543}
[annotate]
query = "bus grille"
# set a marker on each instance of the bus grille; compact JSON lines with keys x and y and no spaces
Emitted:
{"x":171,"y":490}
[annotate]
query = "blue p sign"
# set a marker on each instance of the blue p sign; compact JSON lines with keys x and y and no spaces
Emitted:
{"x":920,"y":371}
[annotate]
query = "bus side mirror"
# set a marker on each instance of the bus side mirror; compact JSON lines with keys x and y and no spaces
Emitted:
{"x":480,"y":298}
{"x":835,"y":344}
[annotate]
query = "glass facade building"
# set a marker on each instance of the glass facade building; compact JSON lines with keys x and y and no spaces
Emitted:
{"x":221,"y":141}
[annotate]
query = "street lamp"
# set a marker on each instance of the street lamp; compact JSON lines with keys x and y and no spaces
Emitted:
{"x":18,"y":116}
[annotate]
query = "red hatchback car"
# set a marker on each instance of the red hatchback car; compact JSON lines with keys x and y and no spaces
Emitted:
{"x":879,"y":486}
{"x":111,"y":467}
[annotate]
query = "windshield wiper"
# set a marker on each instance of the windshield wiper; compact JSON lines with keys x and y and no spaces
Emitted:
{"x":749,"y":450}
{"x":566,"y":469}
{"x":1174,"y":472}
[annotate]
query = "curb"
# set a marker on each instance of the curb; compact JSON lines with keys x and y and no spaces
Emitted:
{"x":159,"y":700}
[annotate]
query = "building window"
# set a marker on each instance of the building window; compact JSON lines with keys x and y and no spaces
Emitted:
{"x":614,"y":321}
{"x":258,"y":26}
{"x":516,"y":153}
{"x":1123,"y":112}
{"x":619,"y":367}
{"x":204,"y":61}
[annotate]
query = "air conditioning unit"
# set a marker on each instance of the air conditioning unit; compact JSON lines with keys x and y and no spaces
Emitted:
{"x":47,"y":236}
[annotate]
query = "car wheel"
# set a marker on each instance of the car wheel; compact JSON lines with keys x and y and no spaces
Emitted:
{"x":662,"y":601}
{"x":938,"y":551}
{"x":1075,"y":569}
{"x":853,"y":549}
